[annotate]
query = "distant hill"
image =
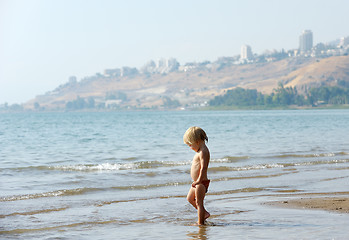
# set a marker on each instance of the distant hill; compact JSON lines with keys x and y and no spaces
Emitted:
{"x":332,"y":71}
{"x":196,"y":86}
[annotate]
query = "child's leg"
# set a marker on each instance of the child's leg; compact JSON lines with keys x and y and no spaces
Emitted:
{"x":200,"y":191}
{"x":191,"y":197}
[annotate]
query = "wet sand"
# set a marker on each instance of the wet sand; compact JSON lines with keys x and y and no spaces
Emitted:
{"x":322,"y":201}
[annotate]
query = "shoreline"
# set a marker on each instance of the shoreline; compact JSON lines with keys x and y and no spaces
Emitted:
{"x":327,"y":202}
{"x":225,"y":108}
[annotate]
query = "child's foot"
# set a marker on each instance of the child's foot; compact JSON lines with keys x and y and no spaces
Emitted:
{"x":207,"y":215}
{"x":198,"y":224}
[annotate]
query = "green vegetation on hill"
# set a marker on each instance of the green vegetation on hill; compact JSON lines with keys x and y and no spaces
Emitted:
{"x":80,"y":104}
{"x":247,"y":98}
{"x":282,"y":96}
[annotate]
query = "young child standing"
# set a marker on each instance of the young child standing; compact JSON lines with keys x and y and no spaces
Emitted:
{"x":195,"y":138}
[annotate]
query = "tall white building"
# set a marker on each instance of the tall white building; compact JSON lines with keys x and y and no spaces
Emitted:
{"x":167,"y":65}
{"x":306,"y":41}
{"x":343,"y":41}
{"x":246,"y":53}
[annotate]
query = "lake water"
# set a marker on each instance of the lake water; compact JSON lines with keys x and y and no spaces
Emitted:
{"x":125,"y":175}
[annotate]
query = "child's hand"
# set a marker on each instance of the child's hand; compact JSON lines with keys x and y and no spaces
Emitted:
{"x":194,"y":184}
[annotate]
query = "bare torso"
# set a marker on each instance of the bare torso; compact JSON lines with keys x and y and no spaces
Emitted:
{"x":195,"y":168}
{"x":196,"y":165}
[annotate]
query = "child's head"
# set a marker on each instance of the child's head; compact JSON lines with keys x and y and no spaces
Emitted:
{"x":193,"y":135}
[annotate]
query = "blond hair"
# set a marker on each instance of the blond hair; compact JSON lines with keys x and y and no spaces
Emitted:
{"x":194,"y":134}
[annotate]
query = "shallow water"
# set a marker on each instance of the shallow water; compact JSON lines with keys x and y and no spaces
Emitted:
{"x":125,"y":175}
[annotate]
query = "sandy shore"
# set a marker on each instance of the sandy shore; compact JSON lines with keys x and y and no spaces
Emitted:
{"x":328,"y":202}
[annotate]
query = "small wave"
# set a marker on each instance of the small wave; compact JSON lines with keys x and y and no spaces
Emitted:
{"x":130,"y":159}
{"x":34,"y":212}
{"x":58,"y":193}
{"x":81,"y":191}
{"x":343,"y":153}
{"x":232,"y":159}
{"x":229,"y":159}
{"x":283,"y":165}
{"x":321,"y":162}
{"x":274,"y":165}
{"x":227,"y":192}
{"x":220,"y":169}
{"x":119,"y":166}
{"x":138,"y":187}
{"x":251,"y":177}
{"x":260,"y":166}
{"x":246,"y":168}
{"x":73,"y":225}
{"x":160,"y":164}
{"x":105,"y":166}
{"x":311,"y":155}
{"x":81,"y":167}
{"x":95,"y":167}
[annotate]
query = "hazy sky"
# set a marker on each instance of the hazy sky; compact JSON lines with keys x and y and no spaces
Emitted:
{"x":44,"y":42}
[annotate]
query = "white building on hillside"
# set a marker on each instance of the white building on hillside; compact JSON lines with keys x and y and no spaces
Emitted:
{"x":246,"y":53}
{"x":306,"y":41}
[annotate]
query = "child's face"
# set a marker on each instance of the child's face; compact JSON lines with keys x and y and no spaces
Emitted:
{"x":194,"y":146}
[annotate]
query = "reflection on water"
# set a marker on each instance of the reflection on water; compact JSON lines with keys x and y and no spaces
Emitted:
{"x":200,"y":233}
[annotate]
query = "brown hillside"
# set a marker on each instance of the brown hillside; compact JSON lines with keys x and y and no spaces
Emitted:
{"x":328,"y":71}
{"x":202,"y":83}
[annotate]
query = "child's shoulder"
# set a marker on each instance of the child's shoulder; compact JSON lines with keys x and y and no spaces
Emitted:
{"x":204,"y":151}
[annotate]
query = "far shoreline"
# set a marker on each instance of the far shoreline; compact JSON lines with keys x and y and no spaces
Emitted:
{"x":208,"y":108}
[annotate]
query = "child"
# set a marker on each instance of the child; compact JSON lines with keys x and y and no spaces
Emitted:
{"x":195,"y":138}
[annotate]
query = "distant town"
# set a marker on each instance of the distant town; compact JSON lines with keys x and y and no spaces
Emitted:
{"x":306,"y":49}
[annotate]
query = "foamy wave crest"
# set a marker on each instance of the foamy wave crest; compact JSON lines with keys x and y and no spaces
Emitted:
{"x":261,"y":166}
{"x":58,"y":193}
{"x":311,"y":155}
{"x":246,"y":168}
{"x":276,"y":165}
{"x":118,"y":166}
{"x":322,"y":162}
{"x":157,"y":164}
{"x":229,"y":159}
{"x":284,"y":165}
{"x":98,"y":167}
